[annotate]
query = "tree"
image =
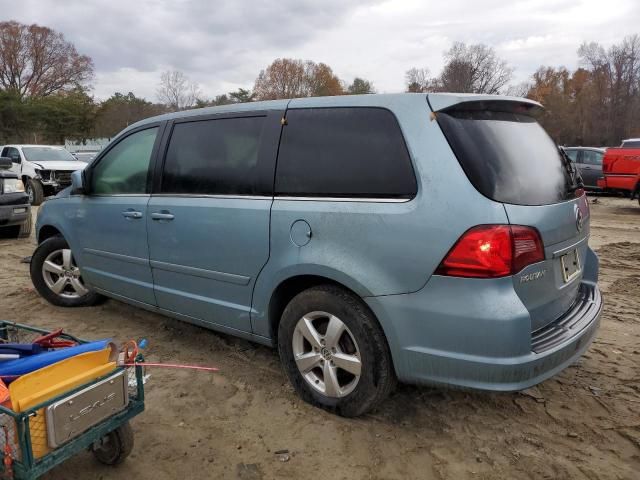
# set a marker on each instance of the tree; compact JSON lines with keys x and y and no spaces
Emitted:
{"x":616,"y":79}
{"x":284,"y":78}
{"x":176,"y":91}
{"x":321,"y":81}
{"x":473,"y":69}
{"x":360,"y":86}
{"x":292,"y":78}
{"x":36,"y":61}
{"x":119,"y":111}
{"x":418,"y":80}
{"x":242,"y":95}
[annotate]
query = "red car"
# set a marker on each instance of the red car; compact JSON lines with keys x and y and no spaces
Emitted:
{"x":621,"y":169}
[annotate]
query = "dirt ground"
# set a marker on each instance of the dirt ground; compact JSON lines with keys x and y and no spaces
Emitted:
{"x":584,"y":423}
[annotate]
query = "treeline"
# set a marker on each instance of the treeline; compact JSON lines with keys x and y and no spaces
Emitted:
{"x":45,"y":85}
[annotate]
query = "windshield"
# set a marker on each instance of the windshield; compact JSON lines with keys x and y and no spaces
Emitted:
{"x":509,"y":157}
{"x":43,"y":154}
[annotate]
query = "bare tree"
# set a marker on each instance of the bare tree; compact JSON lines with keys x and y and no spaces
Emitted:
{"x":36,"y":61}
{"x":418,"y":80}
{"x":616,"y":74}
{"x":474,"y":69}
{"x":518,"y":90}
{"x":177,"y":91}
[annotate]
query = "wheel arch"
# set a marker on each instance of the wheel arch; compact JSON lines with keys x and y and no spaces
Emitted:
{"x":47,"y":231}
{"x":288,"y":288}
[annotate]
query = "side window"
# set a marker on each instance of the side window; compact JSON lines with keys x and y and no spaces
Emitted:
{"x":572,"y":154}
{"x":344,"y":152}
{"x":12,"y":153}
{"x":125,"y":168}
{"x":210,"y":157}
{"x":592,"y":158}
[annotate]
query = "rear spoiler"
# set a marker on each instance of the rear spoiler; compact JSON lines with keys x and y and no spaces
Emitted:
{"x":446,"y":102}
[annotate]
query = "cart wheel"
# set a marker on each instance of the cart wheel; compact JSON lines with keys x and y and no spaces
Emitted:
{"x":116,"y":445}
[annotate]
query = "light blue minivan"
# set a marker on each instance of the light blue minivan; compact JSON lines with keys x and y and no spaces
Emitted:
{"x":429,"y":238}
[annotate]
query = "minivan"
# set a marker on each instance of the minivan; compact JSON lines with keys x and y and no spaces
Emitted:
{"x":438,"y":239}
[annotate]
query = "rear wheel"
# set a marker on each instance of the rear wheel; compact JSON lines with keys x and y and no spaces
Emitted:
{"x":56,"y":276}
{"x":115,"y":446}
{"x":334,"y":351}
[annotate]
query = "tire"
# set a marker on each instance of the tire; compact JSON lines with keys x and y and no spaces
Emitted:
{"x":24,"y":230}
{"x":117,"y":445}
{"x":73,"y":293}
{"x":35,"y":192}
{"x":362,"y":339}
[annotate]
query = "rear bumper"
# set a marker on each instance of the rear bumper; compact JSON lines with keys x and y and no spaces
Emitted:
{"x":619,"y":181}
{"x":466,"y":340}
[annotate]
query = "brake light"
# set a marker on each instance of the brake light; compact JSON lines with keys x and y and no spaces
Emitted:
{"x":492,"y":251}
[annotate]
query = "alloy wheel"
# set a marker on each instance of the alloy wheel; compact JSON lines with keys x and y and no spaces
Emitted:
{"x":62,"y":276}
{"x":326,"y":354}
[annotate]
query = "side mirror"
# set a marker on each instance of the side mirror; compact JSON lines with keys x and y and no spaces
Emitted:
{"x":5,"y":163}
{"x":77,"y":183}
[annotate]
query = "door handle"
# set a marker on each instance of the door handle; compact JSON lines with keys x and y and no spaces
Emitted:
{"x":587,"y":168}
{"x":132,"y":214}
{"x":164,"y":215}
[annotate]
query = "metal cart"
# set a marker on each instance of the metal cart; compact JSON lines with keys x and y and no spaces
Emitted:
{"x":110,"y":439}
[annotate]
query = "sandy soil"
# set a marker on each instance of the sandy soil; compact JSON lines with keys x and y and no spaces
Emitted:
{"x":584,"y":423}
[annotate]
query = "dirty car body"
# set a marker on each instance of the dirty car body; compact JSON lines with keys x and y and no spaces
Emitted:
{"x":476,"y":268}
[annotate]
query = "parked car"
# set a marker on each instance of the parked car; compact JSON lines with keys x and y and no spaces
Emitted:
{"x":84,"y":156}
{"x":631,"y":143}
{"x":588,"y":161}
{"x":436,"y":239}
{"x":621,"y":169}
{"x":15,"y":211}
{"x":44,"y":169}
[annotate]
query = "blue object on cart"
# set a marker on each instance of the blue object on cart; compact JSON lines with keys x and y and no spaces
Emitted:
{"x":14,"y":368}
{"x":22,"y":349}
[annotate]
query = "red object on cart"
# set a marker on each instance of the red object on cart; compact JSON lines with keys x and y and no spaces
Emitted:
{"x":52,"y":340}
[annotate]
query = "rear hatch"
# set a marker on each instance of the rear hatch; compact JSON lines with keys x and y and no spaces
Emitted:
{"x":509,"y":158}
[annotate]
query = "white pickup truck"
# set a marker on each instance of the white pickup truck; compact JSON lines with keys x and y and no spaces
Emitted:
{"x":44,"y":170}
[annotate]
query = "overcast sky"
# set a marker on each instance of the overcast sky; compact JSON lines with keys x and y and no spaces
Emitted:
{"x":223,"y":44}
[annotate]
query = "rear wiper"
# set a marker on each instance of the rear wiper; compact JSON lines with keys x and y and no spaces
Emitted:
{"x":576,"y":178}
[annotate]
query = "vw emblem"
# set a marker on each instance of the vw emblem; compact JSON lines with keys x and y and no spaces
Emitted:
{"x":579,"y":219}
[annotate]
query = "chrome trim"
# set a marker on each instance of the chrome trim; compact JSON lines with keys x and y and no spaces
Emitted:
{"x":116,"y":195}
{"x":344,"y":199}
{"x":194,"y":195}
{"x":573,"y":246}
{"x":201,"y":272}
{"x":117,"y":256}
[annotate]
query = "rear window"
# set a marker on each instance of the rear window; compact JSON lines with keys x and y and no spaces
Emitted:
{"x":344,"y":152}
{"x":508,"y":156}
{"x":631,"y":144}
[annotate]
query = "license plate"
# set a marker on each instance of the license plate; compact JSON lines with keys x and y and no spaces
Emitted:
{"x":69,"y":417}
{"x":570,"y":263}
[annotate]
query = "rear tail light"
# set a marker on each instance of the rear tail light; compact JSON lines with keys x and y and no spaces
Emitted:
{"x":492,"y":251}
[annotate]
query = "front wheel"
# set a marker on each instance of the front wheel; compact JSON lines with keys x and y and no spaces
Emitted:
{"x":35,"y":192}
{"x":334,"y":351}
{"x":56,"y":276}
